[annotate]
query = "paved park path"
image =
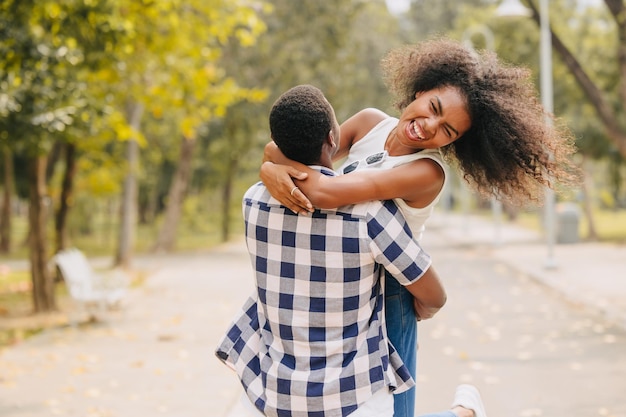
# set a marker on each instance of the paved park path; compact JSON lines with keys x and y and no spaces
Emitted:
{"x":539,"y":343}
{"x":155,"y":358}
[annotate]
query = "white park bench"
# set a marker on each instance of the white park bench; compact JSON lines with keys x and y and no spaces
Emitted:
{"x":87,"y":288}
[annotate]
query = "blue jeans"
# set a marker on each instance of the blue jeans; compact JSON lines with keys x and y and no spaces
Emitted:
{"x":402,"y":333}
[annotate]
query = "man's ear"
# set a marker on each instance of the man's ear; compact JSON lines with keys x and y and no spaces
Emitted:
{"x":331,"y":139}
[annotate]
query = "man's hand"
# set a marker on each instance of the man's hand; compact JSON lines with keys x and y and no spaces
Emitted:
{"x":429,"y":296}
{"x":422,"y":312}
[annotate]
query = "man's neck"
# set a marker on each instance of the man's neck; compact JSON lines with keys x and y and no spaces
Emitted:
{"x":325,"y":161}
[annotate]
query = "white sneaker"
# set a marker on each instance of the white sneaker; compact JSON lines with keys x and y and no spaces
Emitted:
{"x":467,"y":396}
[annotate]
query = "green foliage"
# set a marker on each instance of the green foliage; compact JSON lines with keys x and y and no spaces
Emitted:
{"x":428,"y":18}
{"x":70,"y":68}
{"x":210,"y":69}
{"x":610,"y":224}
{"x":336,"y":46}
{"x":49,"y":47}
{"x":178,"y":72}
{"x":590,"y":34}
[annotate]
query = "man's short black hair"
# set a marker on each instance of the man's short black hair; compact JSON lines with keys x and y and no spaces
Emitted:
{"x":300,"y":121}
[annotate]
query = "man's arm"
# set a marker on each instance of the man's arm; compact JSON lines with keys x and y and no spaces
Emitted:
{"x":401,"y":255}
{"x":429,"y":296}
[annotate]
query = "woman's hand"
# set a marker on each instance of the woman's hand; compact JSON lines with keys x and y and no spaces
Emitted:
{"x":271,"y":153}
{"x":279,"y":180}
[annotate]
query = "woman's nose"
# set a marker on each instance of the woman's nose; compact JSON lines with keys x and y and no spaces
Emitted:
{"x":430,"y":125}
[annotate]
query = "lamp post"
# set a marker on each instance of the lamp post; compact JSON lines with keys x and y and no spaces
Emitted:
{"x":547,"y":100}
{"x":515,"y":8}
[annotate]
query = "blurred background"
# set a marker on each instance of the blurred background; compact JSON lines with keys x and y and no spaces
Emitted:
{"x":131,"y":127}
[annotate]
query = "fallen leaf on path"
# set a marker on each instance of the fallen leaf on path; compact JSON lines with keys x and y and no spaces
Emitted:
{"x":137,"y":364}
{"x":79,"y":370}
{"x":531,"y":412}
{"x":92,"y":393}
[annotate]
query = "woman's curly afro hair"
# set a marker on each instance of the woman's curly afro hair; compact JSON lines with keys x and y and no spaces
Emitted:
{"x":513,"y":148}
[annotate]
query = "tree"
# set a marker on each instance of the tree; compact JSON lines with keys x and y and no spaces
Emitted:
{"x":168,"y":61}
{"x":317,"y":43}
{"x":67,"y":188}
{"x":47,"y":48}
{"x":167,"y":235}
{"x":7,"y":198}
{"x":597,"y":82}
{"x":611,"y":111}
{"x":202,"y":89}
{"x":427,"y":18}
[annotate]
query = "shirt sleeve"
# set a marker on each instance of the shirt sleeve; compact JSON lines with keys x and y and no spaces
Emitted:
{"x":393,"y":245}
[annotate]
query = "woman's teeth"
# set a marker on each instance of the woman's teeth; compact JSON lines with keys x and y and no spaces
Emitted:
{"x":417,"y":131}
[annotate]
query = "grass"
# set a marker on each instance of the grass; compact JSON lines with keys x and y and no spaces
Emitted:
{"x":15,"y":335}
{"x":610,"y":225}
{"x":102,"y":239}
{"x":16,"y":319}
{"x":17,"y":322}
{"x":15,"y":290}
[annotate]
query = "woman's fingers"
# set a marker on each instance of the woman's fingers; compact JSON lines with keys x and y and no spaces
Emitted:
{"x":300,"y":202}
{"x":298,"y":175}
{"x":292,"y":195}
{"x":279,"y":179}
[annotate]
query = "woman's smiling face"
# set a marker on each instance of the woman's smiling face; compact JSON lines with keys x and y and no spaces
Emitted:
{"x":434,"y":119}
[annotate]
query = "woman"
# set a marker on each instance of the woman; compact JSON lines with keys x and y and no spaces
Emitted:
{"x":473,"y":110}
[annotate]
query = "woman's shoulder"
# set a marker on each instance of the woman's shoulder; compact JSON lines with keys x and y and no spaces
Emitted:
{"x":368,"y":121}
{"x":365,"y":119}
{"x":372,"y":112}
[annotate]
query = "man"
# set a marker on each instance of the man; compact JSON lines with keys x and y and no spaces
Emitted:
{"x":312,"y":341}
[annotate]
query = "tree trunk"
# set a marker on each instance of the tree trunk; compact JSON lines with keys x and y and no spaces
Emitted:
{"x":176,"y":195}
{"x":5,"y":211}
{"x":609,"y":117}
{"x":53,"y":156}
{"x":39,"y":201}
{"x":587,"y":206}
{"x":67,"y":191}
{"x":152,"y":205}
{"x":128,"y":211}
{"x":618,"y":10}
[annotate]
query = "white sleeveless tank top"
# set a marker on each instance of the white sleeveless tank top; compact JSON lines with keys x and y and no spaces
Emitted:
{"x":368,"y":153}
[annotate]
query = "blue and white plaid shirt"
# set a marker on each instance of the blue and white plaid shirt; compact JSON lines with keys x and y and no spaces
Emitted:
{"x":312,"y":341}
